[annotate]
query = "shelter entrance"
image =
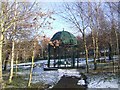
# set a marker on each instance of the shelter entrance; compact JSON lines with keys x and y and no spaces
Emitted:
{"x":63,"y":51}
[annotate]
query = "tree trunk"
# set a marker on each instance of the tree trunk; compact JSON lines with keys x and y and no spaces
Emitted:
{"x":86,"y":52}
{"x":5,"y":65}
{"x":113,"y":65}
{"x":110,"y":50}
{"x":105,"y":54}
{"x":117,"y":48}
{"x":93,"y":41}
{"x":6,"y":60}
{"x":16,"y":63}
{"x":1,"y":45}
{"x":31,"y":70}
{"x":96,"y":43}
{"x":13,"y":46}
{"x":12,"y":61}
{"x":111,"y":53}
{"x":1,"y":57}
{"x":30,"y":76}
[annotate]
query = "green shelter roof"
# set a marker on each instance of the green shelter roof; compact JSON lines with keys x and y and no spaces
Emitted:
{"x":65,"y":37}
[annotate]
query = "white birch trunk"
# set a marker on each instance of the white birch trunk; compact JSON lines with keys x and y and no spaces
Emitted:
{"x":16,"y":62}
{"x":12,"y":60}
{"x":1,"y":45}
{"x":97,"y":51}
{"x":86,"y":52}
{"x":13,"y":46}
{"x":93,"y":41}
{"x":1,"y":57}
{"x":33,"y":57}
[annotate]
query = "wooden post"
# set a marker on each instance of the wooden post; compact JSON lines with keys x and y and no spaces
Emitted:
{"x":77,"y":58}
{"x":54,"y":56}
{"x":48,"y":55}
{"x":65,"y":56}
{"x":73,"y":57}
{"x":59,"y":55}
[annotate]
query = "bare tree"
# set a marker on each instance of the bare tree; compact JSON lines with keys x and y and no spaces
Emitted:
{"x":13,"y":45}
{"x":33,"y":57}
{"x":114,"y":25}
{"x":75,"y":14}
{"x":91,"y":25}
{"x":4,"y":27}
{"x":1,"y":41}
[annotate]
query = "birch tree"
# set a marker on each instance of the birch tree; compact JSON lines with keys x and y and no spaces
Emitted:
{"x":13,"y":44}
{"x":114,"y":25}
{"x":4,"y":27}
{"x":1,"y":40}
{"x":91,"y":24}
{"x":16,"y":32}
{"x":33,"y":57}
{"x":96,"y":38}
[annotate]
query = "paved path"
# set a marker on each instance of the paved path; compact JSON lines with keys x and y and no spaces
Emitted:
{"x":68,"y":82}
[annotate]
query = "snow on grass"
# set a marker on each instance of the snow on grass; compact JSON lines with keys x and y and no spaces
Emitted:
{"x":68,"y":72}
{"x":103,"y":81}
{"x":52,"y":77}
{"x":107,"y":80}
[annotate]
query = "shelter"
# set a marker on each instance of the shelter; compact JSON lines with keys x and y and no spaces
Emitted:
{"x":62,"y":50}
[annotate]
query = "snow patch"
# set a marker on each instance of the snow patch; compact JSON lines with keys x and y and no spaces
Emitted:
{"x":102,"y":81}
{"x":81,"y":82}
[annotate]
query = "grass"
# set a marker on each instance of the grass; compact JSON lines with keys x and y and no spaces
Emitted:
{"x":38,"y":85}
{"x":19,"y":81}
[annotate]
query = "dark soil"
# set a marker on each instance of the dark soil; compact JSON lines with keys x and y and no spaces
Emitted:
{"x":68,"y":82}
